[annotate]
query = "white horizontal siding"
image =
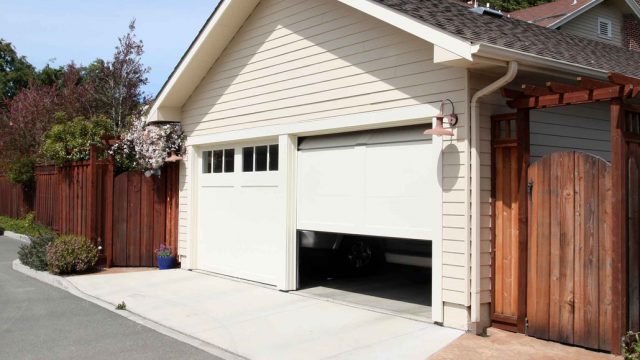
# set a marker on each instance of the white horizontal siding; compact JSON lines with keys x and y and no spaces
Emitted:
{"x":586,"y":25}
{"x":296,"y":61}
{"x":578,"y":127}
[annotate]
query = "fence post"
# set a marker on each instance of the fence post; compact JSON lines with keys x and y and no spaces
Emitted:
{"x":108,"y":216}
{"x":93,"y":194}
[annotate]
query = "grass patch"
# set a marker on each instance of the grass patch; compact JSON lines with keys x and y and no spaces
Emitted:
{"x":25,"y":226}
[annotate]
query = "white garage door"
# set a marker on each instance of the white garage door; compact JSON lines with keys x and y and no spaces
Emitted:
{"x":241,"y":212}
{"x":379,"y":183}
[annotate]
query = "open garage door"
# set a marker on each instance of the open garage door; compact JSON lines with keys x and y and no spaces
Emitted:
{"x":367,"y":210}
{"x":241,"y":212}
{"x":378,"y":183}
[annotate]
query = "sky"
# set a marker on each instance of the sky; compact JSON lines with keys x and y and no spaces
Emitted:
{"x":59,"y":31}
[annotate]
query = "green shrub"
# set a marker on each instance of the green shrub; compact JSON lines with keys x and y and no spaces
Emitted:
{"x":34,"y":255}
{"x":631,"y":346}
{"x":71,"y":140}
{"x":70,"y":254}
{"x":21,"y":171}
{"x":25,"y":226}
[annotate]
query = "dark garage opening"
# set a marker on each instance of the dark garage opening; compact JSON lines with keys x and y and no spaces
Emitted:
{"x":389,"y":274}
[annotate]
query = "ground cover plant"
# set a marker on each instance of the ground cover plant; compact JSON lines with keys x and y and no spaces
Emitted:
{"x":25,"y":226}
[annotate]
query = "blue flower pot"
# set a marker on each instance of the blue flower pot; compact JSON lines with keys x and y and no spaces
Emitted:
{"x":166,"y":262}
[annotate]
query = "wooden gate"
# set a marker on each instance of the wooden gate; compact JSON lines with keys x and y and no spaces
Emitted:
{"x":144,"y":216}
{"x":569,"y":277}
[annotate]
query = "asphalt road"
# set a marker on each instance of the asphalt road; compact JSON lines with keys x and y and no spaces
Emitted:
{"x":38,"y":321}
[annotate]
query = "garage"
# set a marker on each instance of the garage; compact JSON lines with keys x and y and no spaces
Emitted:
{"x":241,"y":212}
{"x":367,"y":207}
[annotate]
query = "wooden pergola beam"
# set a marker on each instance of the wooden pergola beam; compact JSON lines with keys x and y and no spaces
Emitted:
{"x":532,"y":90}
{"x":625,"y":80}
{"x":589,"y":83}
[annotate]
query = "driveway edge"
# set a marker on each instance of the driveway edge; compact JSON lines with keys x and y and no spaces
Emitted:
{"x":16,"y":236}
{"x":64,"y":284}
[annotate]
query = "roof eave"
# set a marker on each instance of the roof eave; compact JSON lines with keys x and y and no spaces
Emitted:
{"x":214,"y":36}
{"x":575,"y":14}
{"x":429,"y":33}
{"x":532,"y":61}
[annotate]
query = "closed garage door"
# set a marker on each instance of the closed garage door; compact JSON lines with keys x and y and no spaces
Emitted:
{"x":379,"y":183}
{"x":241,"y":212}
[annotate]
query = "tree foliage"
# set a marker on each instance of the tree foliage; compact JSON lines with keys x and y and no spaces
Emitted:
{"x":117,"y":83}
{"x":72,"y":140}
{"x":38,"y":100}
{"x":15,"y":72}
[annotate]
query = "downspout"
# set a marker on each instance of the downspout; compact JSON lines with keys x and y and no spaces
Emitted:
{"x":475,"y":184}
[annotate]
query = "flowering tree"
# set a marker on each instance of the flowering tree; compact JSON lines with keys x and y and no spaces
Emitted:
{"x":117,"y":83}
{"x":146,"y":147}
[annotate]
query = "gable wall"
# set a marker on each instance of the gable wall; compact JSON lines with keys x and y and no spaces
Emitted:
{"x":586,"y":25}
{"x":296,"y":61}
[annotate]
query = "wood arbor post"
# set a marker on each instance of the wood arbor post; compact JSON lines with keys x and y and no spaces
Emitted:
{"x":510,"y":161}
{"x":619,"y":223}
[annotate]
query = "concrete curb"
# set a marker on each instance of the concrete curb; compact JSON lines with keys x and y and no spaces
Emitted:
{"x":64,"y":284}
{"x":16,"y":236}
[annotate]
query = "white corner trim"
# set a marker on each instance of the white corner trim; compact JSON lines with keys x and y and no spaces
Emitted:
{"x":192,"y":213}
{"x":289,"y":162}
{"x":413,"y":26}
{"x":575,"y":14}
{"x":437,"y":305}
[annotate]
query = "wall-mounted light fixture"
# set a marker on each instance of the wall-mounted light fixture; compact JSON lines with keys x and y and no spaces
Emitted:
{"x":451,"y":119}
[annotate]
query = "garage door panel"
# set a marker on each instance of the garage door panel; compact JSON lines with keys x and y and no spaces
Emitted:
{"x":241,"y":223}
{"x":237,"y":239}
{"x":369,"y":189}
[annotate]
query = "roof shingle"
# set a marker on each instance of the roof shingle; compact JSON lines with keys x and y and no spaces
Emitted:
{"x":549,"y":13}
{"x":457,"y":19}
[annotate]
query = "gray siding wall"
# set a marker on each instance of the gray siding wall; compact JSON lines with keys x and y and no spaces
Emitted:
{"x":578,"y":127}
{"x":586,"y":25}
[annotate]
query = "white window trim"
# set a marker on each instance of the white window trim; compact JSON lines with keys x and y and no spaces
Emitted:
{"x":609,"y":27}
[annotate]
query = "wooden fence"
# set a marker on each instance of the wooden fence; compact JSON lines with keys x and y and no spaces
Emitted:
{"x":14,"y":200}
{"x":128,"y":215}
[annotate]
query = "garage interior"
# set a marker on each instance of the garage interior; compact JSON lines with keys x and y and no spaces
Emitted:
{"x":394,"y":276}
{"x":365,"y":210}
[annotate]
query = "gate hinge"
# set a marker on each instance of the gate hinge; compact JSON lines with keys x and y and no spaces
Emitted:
{"x":526,"y":326}
{"x":530,"y":188}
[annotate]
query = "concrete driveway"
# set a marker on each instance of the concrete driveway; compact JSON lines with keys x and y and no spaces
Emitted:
{"x":263,"y":323}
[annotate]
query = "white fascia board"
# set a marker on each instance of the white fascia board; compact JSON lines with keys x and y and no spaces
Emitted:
{"x":535,"y":61}
{"x":413,"y":26}
{"x":635,"y":7}
{"x":575,"y":14}
{"x":226,"y":20}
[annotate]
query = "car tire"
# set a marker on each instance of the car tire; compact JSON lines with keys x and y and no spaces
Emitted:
{"x":359,"y":255}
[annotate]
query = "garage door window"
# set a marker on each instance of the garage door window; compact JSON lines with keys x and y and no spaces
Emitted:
{"x":218,"y":161}
{"x":260,"y":158}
